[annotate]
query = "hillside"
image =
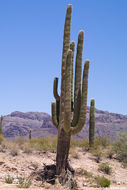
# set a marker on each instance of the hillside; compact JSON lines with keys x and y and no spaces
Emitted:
{"x":19,"y":123}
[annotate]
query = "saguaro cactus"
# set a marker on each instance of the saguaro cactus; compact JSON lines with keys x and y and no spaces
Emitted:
{"x":92,"y":123}
{"x":67,"y":115}
{"x":30,"y":134}
{"x":1,"y":124}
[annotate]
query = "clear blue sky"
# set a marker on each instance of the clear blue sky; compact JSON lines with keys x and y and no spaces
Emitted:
{"x":31,"y":37}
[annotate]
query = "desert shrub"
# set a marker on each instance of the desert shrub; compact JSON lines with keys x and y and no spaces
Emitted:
{"x":9,"y":179}
{"x":74,"y":153}
{"x":105,"y":168}
{"x":124,"y":164}
{"x":102,"y":181}
{"x":105,"y":141}
{"x":109,"y":152}
{"x":27,"y":148}
{"x":24,"y":183}
{"x":87,"y":174}
{"x":120,"y":147}
{"x":19,"y":141}
{"x":84,"y":143}
{"x":97,"y":153}
{"x":44,"y":143}
{"x":14,"y":149}
{"x":1,"y":138}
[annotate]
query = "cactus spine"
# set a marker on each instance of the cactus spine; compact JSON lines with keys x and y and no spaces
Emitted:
{"x":1,"y":124}
{"x":69,"y":115}
{"x":92,"y":123}
{"x":30,"y":134}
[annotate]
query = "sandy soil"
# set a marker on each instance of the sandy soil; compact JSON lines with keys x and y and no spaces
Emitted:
{"x":24,"y":164}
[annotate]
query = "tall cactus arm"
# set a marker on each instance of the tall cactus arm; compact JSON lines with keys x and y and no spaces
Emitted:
{"x":66,"y":44}
{"x":55,"y":89}
{"x":54,"y":115}
{"x":78,"y":66}
{"x":83,"y":109}
{"x":78,"y":72}
{"x":72,"y":47}
{"x":67,"y":108}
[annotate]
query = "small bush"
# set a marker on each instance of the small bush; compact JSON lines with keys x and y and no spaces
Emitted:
{"x":105,"y":168}
{"x":24,"y":183}
{"x":97,"y":154}
{"x":87,"y":174}
{"x":120,"y":147}
{"x":74,"y":154}
{"x":9,"y":179}
{"x":1,"y":138}
{"x":102,"y":181}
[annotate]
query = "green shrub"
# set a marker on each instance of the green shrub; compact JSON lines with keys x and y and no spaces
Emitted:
{"x":102,"y":181}
{"x":120,"y":147}
{"x":105,"y":168}
{"x":9,"y":179}
{"x":87,"y":174}
{"x":1,"y":138}
{"x":97,"y":153}
{"x":24,"y":183}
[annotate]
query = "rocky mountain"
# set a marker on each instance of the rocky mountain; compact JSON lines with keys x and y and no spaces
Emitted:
{"x":19,"y":123}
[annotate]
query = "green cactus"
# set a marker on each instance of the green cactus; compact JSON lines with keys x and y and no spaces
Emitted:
{"x":69,"y":115}
{"x":92,"y":123}
{"x":1,"y":124}
{"x":30,"y":134}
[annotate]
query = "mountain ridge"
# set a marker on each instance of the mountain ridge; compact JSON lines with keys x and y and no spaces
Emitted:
{"x":19,"y":123}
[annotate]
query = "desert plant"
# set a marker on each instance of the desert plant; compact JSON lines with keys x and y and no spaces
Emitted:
{"x":1,"y":138}
{"x":120,"y":147}
{"x":30,"y":134}
{"x":102,"y":181}
{"x":24,"y":183}
{"x":1,"y":125}
{"x":92,"y":123}
{"x":105,"y":168}
{"x":68,"y":116}
{"x":9,"y":179}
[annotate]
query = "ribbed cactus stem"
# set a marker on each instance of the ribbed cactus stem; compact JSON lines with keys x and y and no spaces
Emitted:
{"x":92,"y":123}
{"x":1,"y":124}
{"x":78,"y":72}
{"x":67,"y":109}
{"x":83,"y":109}
{"x":55,"y":89}
{"x":72,"y":47}
{"x":54,"y":115}
{"x":66,"y":45}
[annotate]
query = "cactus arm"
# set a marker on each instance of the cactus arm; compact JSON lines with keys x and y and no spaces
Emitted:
{"x":72,"y":47}
{"x":77,"y":109}
{"x":78,"y":72}
{"x":55,"y":89}
{"x":83,"y":109}
{"x":67,"y":108}
{"x":91,"y":122}
{"x":54,"y":115}
{"x":78,"y":66}
{"x":66,"y":44}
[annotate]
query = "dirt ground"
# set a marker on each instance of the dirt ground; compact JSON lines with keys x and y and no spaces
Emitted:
{"x":22,"y":165}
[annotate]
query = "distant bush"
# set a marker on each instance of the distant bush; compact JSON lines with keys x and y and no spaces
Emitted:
{"x":120,"y":147}
{"x":97,"y":153}
{"x":102,"y":181}
{"x":44,"y":143}
{"x":105,"y":168}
